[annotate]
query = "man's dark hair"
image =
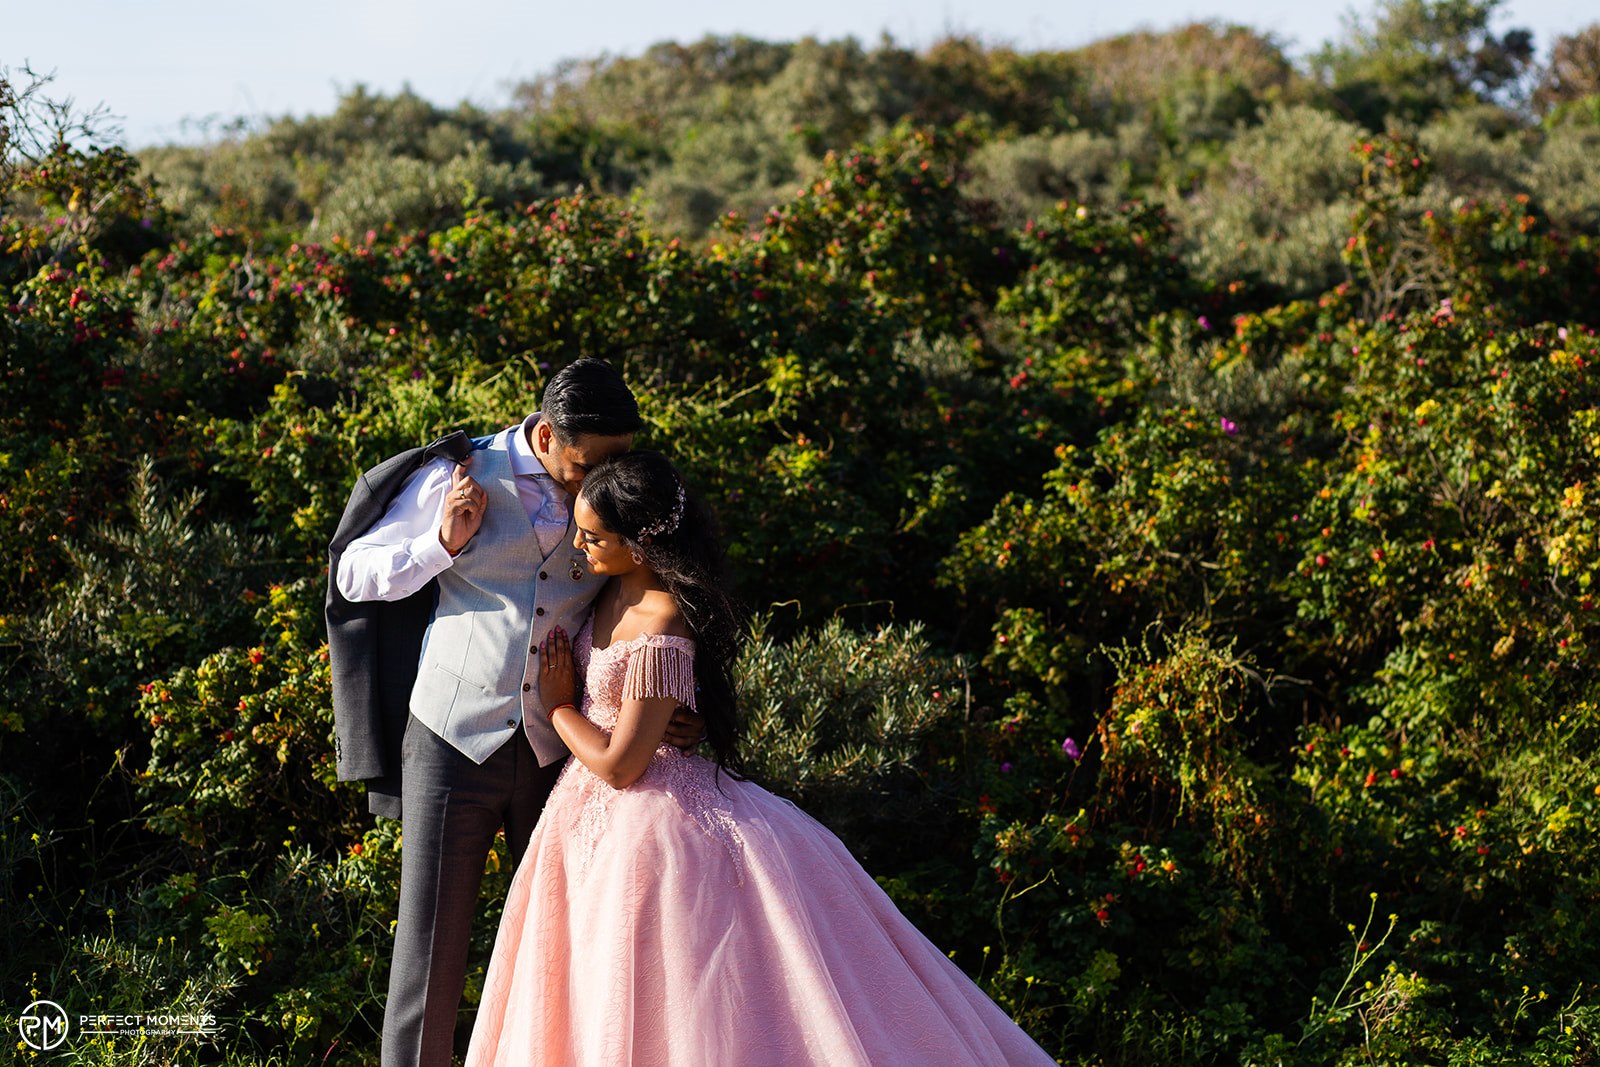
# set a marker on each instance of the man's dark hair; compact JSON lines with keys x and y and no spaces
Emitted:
{"x":588,"y":396}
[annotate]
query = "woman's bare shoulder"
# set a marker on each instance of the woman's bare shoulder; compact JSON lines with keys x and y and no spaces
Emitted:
{"x":656,"y":613}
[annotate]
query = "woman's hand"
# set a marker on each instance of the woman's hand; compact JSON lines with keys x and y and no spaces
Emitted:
{"x":558,"y":676}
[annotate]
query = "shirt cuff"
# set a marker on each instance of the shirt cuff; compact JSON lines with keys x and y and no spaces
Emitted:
{"x":430,"y":553}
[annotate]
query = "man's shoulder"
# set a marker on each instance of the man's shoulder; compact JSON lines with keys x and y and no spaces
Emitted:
{"x":449,"y":449}
{"x":497,"y":441}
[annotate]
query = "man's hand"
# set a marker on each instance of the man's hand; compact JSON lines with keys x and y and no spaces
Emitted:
{"x":464,"y":505}
{"x":686,"y":728}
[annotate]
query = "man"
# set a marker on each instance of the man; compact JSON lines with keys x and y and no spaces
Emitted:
{"x":495,"y":533}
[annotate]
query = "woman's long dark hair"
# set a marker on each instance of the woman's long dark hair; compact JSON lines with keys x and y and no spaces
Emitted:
{"x":638,"y":495}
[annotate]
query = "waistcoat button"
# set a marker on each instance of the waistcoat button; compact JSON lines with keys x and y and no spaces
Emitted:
{"x":526,"y":686}
{"x":538,"y":611}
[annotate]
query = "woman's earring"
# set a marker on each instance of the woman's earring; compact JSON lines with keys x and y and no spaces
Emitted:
{"x":637,"y":559}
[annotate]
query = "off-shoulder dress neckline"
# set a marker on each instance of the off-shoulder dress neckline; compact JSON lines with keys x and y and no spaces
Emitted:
{"x":637,"y":638}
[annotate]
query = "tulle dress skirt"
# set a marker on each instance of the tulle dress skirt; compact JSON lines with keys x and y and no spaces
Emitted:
{"x":693,"y":919}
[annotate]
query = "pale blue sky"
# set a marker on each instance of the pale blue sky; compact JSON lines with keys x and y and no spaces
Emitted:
{"x":158,"y":63}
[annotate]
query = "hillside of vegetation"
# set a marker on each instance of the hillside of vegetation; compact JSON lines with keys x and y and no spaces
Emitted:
{"x":1164,"y":475}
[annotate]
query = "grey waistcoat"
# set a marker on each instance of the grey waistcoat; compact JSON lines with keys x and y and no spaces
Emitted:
{"x":478,"y":678}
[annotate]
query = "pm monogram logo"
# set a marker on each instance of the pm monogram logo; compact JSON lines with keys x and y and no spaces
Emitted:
{"x":43,"y":1025}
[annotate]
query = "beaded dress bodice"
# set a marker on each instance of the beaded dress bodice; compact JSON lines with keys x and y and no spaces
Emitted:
{"x":650,"y":665}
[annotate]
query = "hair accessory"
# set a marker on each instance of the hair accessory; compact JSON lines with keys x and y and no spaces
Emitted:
{"x":668,"y":524}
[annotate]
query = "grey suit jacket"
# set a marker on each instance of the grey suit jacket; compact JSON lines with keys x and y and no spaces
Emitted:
{"x":373,"y":647}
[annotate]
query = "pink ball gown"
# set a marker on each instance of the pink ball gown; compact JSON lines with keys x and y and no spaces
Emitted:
{"x":693,"y":919}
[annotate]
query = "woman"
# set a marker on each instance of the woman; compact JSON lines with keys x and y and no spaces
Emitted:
{"x":669,"y":911}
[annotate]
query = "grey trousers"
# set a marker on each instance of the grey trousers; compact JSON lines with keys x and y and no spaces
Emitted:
{"x":452,"y":810}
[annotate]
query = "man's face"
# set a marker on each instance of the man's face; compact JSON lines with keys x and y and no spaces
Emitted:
{"x":569,"y":463}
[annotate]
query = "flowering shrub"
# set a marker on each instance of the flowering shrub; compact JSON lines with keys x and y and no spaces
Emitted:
{"x":1395,"y":526}
{"x":1207,"y":673}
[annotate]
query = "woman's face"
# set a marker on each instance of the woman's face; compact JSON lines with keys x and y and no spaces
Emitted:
{"x":603,"y":549}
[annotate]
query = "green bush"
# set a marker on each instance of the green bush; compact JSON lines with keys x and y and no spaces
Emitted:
{"x":1276,"y":205}
{"x":1028,"y":176}
{"x":858,"y":729}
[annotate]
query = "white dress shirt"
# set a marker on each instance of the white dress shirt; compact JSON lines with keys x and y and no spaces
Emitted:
{"x":402,"y":552}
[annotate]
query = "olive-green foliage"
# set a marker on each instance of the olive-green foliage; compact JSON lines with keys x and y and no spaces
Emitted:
{"x":732,"y":124}
{"x":1413,"y":59}
{"x":1568,"y":166}
{"x":735,"y":165}
{"x":1477,"y":152}
{"x":145,"y":592}
{"x":408,"y":193}
{"x":375,"y":161}
{"x":963,"y":80}
{"x":1276,"y":203}
{"x":844,"y":723}
{"x":1483,"y":153}
{"x":1197,"y":81}
{"x":1029,"y":175}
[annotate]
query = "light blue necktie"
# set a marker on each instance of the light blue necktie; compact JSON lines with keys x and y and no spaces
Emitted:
{"x":550,"y":521}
